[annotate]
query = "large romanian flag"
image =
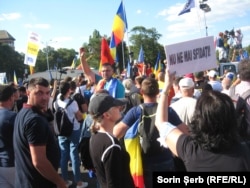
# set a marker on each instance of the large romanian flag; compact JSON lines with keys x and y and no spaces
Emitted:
{"x":133,"y":147}
{"x":118,"y":29}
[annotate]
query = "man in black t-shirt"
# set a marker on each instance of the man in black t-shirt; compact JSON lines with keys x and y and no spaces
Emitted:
{"x":36,"y":150}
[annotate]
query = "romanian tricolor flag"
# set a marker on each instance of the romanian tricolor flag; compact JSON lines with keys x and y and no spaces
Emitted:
{"x":15,"y":79}
{"x":157,"y":67}
{"x":119,"y":25}
{"x":133,"y":147}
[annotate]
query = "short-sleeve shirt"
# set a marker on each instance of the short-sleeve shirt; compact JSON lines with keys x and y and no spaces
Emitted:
{"x":7,"y":118}
{"x":134,"y":113}
{"x":197,"y":159}
{"x":32,"y":128}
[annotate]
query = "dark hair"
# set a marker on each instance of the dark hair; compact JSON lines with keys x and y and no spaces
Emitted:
{"x":150,"y":87}
{"x":6,"y":91}
{"x":72,"y":85}
{"x":67,"y":79}
{"x":244,"y":70}
{"x":214,"y":124}
{"x":38,"y":81}
{"x":64,"y":88}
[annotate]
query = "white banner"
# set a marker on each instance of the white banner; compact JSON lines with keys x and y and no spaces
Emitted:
{"x":32,"y":49}
{"x":191,"y":56}
{"x":3,"y":77}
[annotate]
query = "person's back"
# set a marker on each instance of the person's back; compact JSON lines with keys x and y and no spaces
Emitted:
{"x":213,"y":143}
{"x":185,"y":106}
{"x":158,"y":161}
{"x":7,"y":118}
{"x":36,"y":150}
{"x":243,"y":87}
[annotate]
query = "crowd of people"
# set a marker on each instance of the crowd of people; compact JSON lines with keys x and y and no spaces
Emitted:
{"x":185,"y":123}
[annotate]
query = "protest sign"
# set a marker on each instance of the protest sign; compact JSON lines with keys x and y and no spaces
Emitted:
{"x":32,"y":49}
{"x":191,"y":56}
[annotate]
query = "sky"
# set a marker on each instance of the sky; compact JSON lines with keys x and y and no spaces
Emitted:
{"x":68,"y":24}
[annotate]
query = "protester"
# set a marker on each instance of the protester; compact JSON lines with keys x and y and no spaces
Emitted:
{"x":244,"y":87}
{"x":185,"y":106}
{"x":110,"y":160}
{"x":213,"y":142}
{"x":212,"y":77}
{"x":158,"y":161}
{"x":106,"y":80}
{"x":36,"y":150}
{"x":23,"y":98}
{"x":7,"y":118}
{"x":69,"y":145}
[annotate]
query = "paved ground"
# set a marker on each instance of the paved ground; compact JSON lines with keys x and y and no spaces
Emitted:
{"x":85,"y":177}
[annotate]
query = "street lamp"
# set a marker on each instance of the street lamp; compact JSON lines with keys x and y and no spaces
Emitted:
{"x":47,"y":51}
{"x":206,"y":8}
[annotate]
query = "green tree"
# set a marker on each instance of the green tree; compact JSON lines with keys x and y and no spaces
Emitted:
{"x":11,"y":61}
{"x":148,"y":39}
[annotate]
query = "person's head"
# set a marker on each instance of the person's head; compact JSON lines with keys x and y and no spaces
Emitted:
{"x":186,"y":86}
{"x":107,"y":71}
{"x":22,"y":91}
{"x":7,"y":98}
{"x":64,"y":89}
{"x":198,"y":76}
{"x":67,"y":79}
{"x":212,"y":75}
{"x":104,"y":108}
{"x":244,"y":70}
{"x":138,"y":81}
{"x":38,"y":93}
{"x":72,"y":86}
{"x":161,"y":76}
{"x":150,"y":87}
{"x":226,"y":83}
{"x":176,"y":86}
{"x":128,"y":85}
{"x":214,"y":125}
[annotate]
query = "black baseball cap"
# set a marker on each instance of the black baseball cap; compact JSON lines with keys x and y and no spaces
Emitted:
{"x":102,"y":102}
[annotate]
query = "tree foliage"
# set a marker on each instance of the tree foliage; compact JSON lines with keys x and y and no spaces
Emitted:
{"x":148,"y":39}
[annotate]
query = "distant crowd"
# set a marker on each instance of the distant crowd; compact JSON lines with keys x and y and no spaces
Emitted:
{"x":195,"y":122}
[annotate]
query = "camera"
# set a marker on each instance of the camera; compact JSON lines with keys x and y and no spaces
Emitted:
{"x":229,"y":34}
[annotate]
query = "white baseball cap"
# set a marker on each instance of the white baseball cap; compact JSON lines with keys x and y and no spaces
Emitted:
{"x":186,"y":83}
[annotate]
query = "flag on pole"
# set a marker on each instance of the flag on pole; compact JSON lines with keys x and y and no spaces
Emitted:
{"x":73,"y":65}
{"x":133,"y":147}
{"x":119,"y":25}
{"x":141,"y":56}
{"x":157,"y":67}
{"x":31,"y":69}
{"x":15,"y":78}
{"x":190,"y":4}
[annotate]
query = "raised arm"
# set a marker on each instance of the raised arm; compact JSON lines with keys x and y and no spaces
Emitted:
{"x":169,"y":134}
{"x":85,"y":67}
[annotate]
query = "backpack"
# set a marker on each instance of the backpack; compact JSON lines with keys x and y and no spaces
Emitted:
{"x":148,"y":132}
{"x":241,"y":112}
{"x":131,"y":102}
{"x":83,"y":147}
{"x":63,"y":126}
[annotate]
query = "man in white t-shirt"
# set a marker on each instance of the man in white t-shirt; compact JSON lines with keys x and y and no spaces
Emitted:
{"x":212,"y":77}
{"x":185,"y":106}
